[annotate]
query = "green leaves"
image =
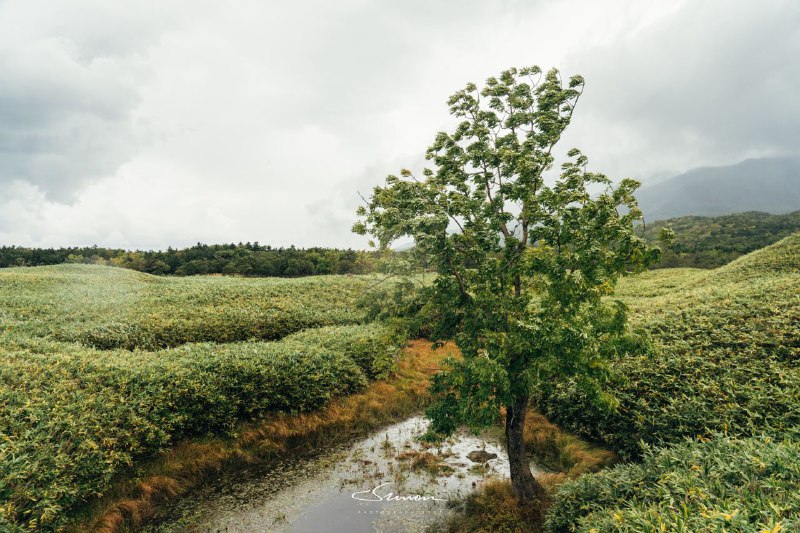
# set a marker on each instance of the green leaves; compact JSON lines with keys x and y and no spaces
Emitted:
{"x":471,"y":393}
{"x":521,"y":264}
{"x":720,"y":485}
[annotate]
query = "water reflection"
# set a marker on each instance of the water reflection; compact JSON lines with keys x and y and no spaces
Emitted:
{"x":400,"y":483}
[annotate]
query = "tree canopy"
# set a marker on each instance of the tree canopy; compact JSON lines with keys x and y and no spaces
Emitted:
{"x":523,"y":262}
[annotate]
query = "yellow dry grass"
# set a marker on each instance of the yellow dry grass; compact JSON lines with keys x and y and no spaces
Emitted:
{"x":562,"y":451}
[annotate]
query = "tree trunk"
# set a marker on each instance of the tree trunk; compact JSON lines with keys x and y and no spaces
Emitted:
{"x":525,"y":486}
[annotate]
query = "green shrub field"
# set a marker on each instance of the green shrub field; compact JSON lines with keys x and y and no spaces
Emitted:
{"x":718,"y":397}
{"x":73,"y":416}
{"x":100,"y":367}
{"x":114,"y":308}
{"x":373,"y":347}
{"x":724,"y":484}
{"x":726,"y":356}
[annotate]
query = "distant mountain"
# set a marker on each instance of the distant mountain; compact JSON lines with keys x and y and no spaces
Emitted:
{"x":771,"y":185}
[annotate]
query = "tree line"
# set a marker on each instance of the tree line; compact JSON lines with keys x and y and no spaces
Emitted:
{"x":704,"y":242}
{"x":248,"y":259}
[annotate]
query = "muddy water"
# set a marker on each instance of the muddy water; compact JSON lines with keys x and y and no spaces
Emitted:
{"x":390,"y":481}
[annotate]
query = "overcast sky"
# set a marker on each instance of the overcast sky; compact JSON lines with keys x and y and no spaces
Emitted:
{"x":148,"y":124}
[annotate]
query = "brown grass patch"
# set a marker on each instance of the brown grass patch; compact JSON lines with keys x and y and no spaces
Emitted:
{"x":425,"y":460}
{"x":138,"y":496}
{"x":493,"y":506}
{"x":562,"y":451}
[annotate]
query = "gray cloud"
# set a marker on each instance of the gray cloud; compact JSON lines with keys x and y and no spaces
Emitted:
{"x":68,"y":86}
{"x":151,"y":124}
{"x":713,"y":83}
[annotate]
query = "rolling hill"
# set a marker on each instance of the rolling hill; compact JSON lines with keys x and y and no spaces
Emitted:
{"x":711,"y":409}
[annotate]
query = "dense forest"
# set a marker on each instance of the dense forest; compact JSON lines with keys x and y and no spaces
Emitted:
{"x":709,"y":242}
{"x":235,"y":259}
{"x":704,"y":242}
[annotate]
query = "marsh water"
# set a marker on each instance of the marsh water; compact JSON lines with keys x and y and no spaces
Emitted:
{"x":389,"y":481}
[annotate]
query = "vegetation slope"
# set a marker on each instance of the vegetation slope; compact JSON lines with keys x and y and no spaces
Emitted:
{"x":101,"y":366}
{"x":712,"y":410}
{"x":110,"y":308}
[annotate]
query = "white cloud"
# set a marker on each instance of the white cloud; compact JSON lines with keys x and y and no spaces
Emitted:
{"x":166,"y":123}
{"x":712,"y":83}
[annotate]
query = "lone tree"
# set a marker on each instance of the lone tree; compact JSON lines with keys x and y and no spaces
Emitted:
{"x":522,"y":265}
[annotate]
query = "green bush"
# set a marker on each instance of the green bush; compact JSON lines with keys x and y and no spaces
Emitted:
{"x":726,"y":356}
{"x":374,"y":347}
{"x":725,"y":484}
{"x":74,"y":416}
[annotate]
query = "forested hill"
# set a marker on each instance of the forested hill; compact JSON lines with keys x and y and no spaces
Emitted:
{"x":708,"y":242}
{"x":242,"y":259}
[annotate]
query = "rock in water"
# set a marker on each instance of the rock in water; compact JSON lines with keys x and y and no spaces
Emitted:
{"x":480,"y":456}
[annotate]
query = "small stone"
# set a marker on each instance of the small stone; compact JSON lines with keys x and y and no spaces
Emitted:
{"x":480,"y":456}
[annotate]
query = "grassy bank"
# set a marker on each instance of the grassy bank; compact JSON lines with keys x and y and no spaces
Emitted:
{"x":716,"y":404}
{"x":73,"y":417}
{"x":493,"y":507}
{"x":724,"y":484}
{"x":141,"y":494}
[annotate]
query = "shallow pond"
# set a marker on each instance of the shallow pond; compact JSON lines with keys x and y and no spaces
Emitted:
{"x":390,"y":481}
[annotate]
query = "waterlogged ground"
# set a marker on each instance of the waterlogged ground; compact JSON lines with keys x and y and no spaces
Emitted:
{"x":390,"y":481}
